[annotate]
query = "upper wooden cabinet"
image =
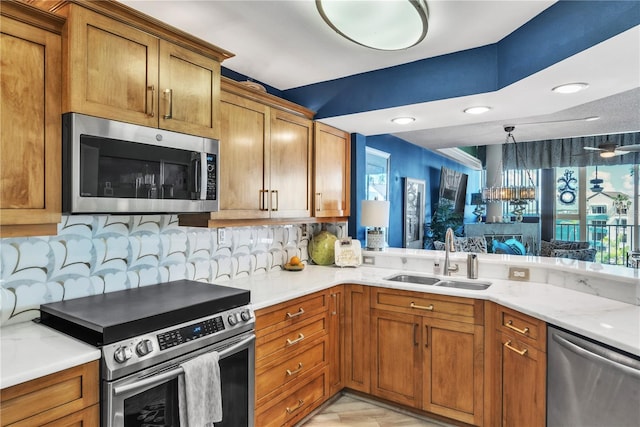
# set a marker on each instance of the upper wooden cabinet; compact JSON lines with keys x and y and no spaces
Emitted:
{"x":115,"y":70}
{"x":265,"y":149}
{"x":30,"y":159}
{"x":332,"y":160}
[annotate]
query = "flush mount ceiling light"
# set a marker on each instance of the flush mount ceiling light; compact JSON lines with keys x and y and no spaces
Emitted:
{"x":476,"y":110}
{"x":403,"y":120}
{"x":382,"y":25}
{"x":570,"y":88}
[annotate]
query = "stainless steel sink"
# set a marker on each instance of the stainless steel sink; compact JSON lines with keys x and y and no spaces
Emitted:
{"x":412,"y":278}
{"x":474,"y":286}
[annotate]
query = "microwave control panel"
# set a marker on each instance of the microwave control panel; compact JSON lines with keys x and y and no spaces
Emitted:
{"x":211,"y":177}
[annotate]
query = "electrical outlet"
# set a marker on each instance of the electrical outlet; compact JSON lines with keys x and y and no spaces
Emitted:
{"x":222,"y":236}
{"x":368,"y":260}
{"x":519,"y":273}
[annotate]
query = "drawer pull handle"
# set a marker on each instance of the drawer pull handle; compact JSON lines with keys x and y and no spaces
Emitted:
{"x":290,"y":372}
{"x":510,"y":347}
{"x":422,"y":307}
{"x":296,"y":314}
{"x":509,"y":325}
{"x":297,"y":340}
{"x":300,"y":403}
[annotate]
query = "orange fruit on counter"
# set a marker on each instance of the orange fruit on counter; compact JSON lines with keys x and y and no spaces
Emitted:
{"x":294,"y":260}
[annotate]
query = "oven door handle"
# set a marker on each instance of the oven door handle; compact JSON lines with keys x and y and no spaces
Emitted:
{"x":175,"y":372}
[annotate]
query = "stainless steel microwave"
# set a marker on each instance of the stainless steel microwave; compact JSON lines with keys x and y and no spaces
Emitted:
{"x":115,"y":167}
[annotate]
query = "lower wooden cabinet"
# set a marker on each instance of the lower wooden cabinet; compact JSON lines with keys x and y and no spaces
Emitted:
{"x":295,"y":357}
{"x":336,"y":339}
{"x":357,"y":340}
{"x":427,"y":353}
{"x":66,"y":398}
{"x":516,"y":369}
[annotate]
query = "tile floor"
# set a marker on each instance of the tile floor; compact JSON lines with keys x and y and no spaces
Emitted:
{"x":353,"y":412}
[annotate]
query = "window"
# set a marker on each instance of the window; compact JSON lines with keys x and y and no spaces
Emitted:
{"x":599,"y":209}
{"x":377,"y":174}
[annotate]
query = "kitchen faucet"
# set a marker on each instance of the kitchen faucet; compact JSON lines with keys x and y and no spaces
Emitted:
{"x":449,"y":247}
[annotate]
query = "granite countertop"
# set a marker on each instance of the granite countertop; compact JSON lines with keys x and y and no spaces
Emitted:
{"x":30,"y":350}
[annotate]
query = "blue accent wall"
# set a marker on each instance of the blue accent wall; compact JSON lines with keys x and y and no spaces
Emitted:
{"x":407,"y":160}
{"x":564,"y":29}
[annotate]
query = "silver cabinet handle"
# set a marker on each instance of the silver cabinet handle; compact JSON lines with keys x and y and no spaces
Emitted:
{"x":152,"y":113}
{"x":295,"y":341}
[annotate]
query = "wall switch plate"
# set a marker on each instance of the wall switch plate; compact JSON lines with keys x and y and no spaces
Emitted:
{"x":222,"y":236}
{"x":519,"y":273}
{"x":368,"y":260}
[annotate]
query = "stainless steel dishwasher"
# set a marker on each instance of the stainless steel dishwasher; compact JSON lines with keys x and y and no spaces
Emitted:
{"x":589,"y":384}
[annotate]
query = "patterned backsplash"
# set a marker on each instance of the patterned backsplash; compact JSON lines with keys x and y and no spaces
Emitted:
{"x":97,"y":254}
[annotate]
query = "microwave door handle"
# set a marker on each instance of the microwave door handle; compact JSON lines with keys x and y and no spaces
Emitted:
{"x":175,"y":372}
{"x":203,"y":176}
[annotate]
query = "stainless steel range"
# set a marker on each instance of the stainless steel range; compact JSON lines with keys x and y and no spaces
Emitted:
{"x":146,"y":333}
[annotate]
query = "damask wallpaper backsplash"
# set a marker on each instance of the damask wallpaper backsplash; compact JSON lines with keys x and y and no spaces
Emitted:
{"x":96,"y":254}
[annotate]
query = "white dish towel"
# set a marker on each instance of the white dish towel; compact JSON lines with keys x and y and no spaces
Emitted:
{"x":199,"y":391}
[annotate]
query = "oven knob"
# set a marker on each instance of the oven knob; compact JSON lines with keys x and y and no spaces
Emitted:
{"x":232,"y":319}
{"x":144,"y":347}
{"x":122,"y":354}
{"x":245,"y":315}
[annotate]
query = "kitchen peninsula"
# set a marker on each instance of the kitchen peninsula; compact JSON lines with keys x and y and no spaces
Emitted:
{"x":553,"y":296}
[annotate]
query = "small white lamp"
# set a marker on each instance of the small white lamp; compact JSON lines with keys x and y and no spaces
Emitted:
{"x":375,"y":213}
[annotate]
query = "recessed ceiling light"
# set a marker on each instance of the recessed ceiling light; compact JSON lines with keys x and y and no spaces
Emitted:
{"x":570,"y":88}
{"x":477,"y":110}
{"x":403,"y":120}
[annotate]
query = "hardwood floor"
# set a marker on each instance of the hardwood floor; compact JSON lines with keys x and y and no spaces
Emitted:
{"x":354,"y":412}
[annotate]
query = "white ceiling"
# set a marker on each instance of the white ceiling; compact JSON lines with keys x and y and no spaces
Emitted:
{"x":286,"y":44}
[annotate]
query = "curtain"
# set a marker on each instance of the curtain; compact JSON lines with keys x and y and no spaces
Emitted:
{"x":567,"y":152}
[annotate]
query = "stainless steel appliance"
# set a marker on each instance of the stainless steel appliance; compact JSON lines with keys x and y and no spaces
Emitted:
{"x":116,"y":167}
{"x":146,"y":333}
{"x":590,"y":384}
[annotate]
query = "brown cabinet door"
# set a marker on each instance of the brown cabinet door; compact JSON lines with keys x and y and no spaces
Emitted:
{"x":523,"y":371}
{"x":453,"y":366}
{"x":245,"y":127}
{"x":30,"y":168}
{"x":332,"y":154}
{"x":336,"y":339}
{"x":112,"y":69}
{"x":357,"y":342}
{"x":290,"y":165}
{"x":397,"y":357}
{"x":189,"y":91}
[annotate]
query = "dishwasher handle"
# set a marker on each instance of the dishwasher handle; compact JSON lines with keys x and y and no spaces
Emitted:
{"x":600,"y":354}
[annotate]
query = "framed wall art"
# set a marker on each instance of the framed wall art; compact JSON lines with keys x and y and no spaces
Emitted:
{"x":413,"y":212}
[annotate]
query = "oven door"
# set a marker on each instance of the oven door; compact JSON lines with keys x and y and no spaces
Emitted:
{"x":149,"y":398}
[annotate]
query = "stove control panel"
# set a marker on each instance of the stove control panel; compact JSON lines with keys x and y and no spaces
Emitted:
{"x":190,"y":332}
{"x":170,"y":341}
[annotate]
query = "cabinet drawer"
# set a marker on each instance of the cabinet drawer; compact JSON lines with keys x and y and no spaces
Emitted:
{"x":290,"y":313}
{"x":301,"y":400}
{"x":429,"y":305}
{"x":51,"y":397}
{"x":292,"y":337}
{"x":526,"y":328}
{"x":276,"y":372}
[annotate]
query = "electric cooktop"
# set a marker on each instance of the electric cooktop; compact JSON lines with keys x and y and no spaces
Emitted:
{"x":114,"y":316}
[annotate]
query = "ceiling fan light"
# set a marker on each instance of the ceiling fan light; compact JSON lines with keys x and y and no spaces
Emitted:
{"x":570,"y":88}
{"x":403,"y":120}
{"x":382,"y":25}
{"x":607,"y":154}
{"x":477,"y":110}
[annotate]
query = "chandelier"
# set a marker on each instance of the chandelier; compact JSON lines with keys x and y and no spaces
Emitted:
{"x":517,"y":196}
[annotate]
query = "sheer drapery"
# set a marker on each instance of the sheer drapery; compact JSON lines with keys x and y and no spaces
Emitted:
{"x":567,"y":152}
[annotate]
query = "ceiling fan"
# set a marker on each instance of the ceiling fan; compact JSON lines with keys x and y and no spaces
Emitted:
{"x":609,"y":149}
